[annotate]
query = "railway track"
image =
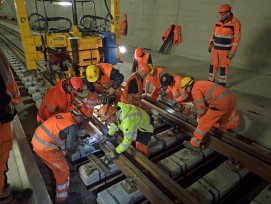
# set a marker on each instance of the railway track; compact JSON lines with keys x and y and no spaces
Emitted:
{"x":172,"y":173}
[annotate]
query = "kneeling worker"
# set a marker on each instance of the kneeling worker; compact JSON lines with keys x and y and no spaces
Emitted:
{"x":134,"y":122}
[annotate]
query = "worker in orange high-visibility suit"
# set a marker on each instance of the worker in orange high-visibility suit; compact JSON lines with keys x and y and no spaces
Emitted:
{"x":52,"y":140}
{"x":141,"y":57}
{"x":59,"y":98}
{"x":172,"y":85}
{"x":233,"y":121}
{"x":132,"y":93}
{"x":9,"y":98}
{"x":154,"y":79}
{"x":224,"y":41}
{"x":103,"y":79}
{"x":214,"y":104}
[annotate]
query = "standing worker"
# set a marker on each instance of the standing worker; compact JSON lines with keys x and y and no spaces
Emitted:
{"x":9,"y":98}
{"x":154,"y":79}
{"x":214,"y":104}
{"x":132,"y":93}
{"x":51,"y":140}
{"x":134,"y":122}
{"x":141,"y":57}
{"x":59,"y":98}
{"x":224,"y":41}
{"x":102,"y":78}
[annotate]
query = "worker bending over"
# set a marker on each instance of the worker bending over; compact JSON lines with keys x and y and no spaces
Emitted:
{"x":154,"y":79}
{"x":134,"y":122}
{"x":172,"y":86}
{"x":52,"y":140}
{"x":59,"y":98}
{"x":214,"y":104}
{"x":141,"y":57}
{"x":103,"y":79}
{"x":224,"y":41}
{"x":132,"y":93}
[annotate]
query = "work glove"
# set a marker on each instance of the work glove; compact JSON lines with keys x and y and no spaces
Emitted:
{"x":210,"y":46}
{"x":231,"y":55}
{"x":110,"y":91}
{"x":145,"y":95}
{"x":112,"y":155}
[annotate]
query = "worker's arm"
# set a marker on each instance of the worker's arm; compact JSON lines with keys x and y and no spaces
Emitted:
{"x":113,"y":128}
{"x":147,"y":86}
{"x":129,"y":131}
{"x":5,"y":105}
{"x":134,"y":66}
{"x":236,"y":36}
{"x":10,"y":83}
{"x":182,"y":97}
{"x":70,"y":134}
{"x":211,"y":43}
{"x":200,"y":103}
{"x":117,"y":78}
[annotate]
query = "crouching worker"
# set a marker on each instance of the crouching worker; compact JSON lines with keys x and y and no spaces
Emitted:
{"x":52,"y":140}
{"x":134,"y":122}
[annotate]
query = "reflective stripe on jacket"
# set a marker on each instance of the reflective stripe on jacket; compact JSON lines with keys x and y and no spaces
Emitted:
{"x":130,"y":119}
{"x":56,"y":100}
{"x":46,"y":136}
{"x":137,"y":97}
{"x":227,"y":35}
{"x":208,"y":94}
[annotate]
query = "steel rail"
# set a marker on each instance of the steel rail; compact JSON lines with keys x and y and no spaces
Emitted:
{"x":144,"y":184}
{"x":226,"y":144}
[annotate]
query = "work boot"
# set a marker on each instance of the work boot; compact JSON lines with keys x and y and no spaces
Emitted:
{"x":71,"y":198}
{"x":189,"y":146}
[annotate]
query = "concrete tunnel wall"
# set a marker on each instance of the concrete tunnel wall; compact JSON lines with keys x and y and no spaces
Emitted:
{"x":149,"y":19}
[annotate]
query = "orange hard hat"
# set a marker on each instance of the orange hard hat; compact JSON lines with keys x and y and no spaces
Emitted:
{"x":77,"y":84}
{"x":145,"y":67}
{"x":106,"y":111}
{"x":139,"y":52}
{"x":80,"y":109}
{"x":224,"y":8}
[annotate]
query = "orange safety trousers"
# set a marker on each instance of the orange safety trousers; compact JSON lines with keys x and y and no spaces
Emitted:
{"x":142,"y":148}
{"x":211,"y":117}
{"x":233,"y":121}
{"x":5,"y":147}
{"x":56,"y":161}
{"x":219,"y":60}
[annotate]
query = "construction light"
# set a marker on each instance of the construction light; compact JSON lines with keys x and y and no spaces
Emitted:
{"x":62,"y":3}
{"x":122,"y":49}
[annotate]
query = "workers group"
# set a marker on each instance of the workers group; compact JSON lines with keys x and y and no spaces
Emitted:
{"x":59,"y":117}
